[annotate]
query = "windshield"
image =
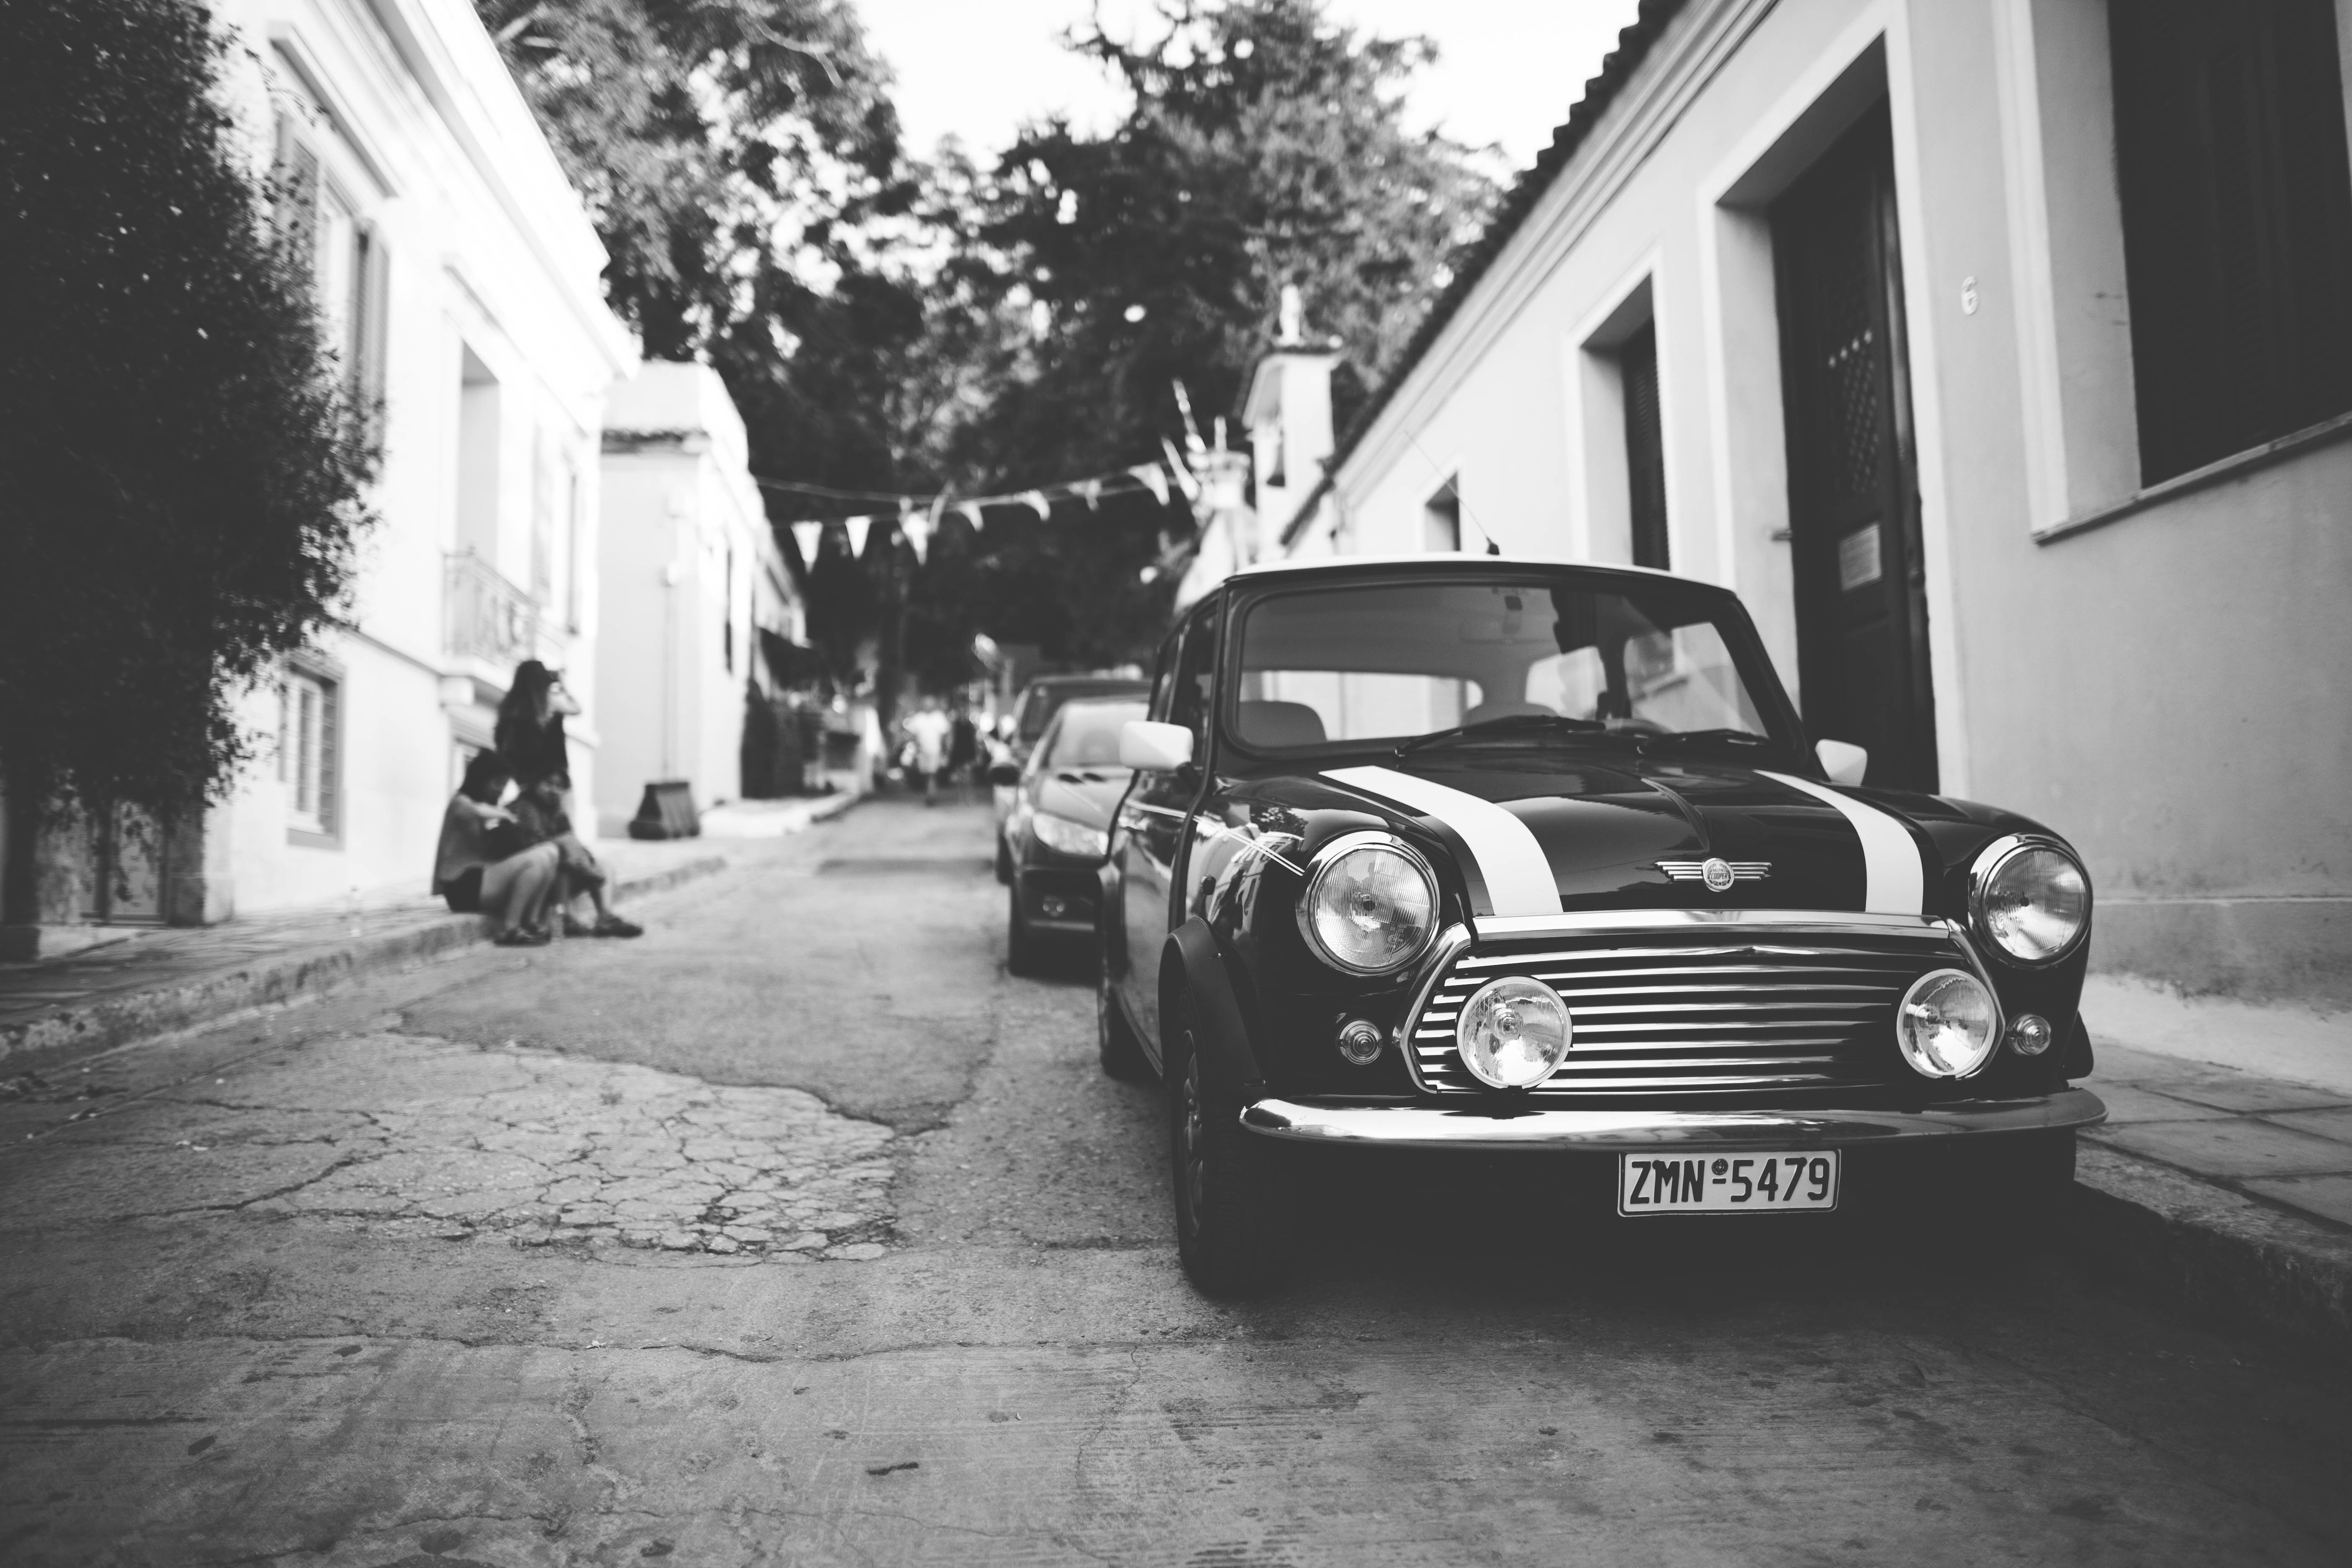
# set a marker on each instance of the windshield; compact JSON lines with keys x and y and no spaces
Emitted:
{"x":1040,"y":703}
{"x":1556,"y":654}
{"x":1087,"y":736}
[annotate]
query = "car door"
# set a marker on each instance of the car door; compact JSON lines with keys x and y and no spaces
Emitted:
{"x":1152,"y":820}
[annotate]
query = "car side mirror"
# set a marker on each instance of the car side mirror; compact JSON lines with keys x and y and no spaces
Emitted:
{"x":1844,"y":762}
{"x":1154,"y":748}
{"x":1005,"y":774}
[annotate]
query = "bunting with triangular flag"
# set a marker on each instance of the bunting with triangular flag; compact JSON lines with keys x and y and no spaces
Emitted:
{"x":971,"y":513}
{"x":917,"y":532}
{"x":1036,"y":501}
{"x":857,"y":527}
{"x":809,"y":536}
{"x":1154,"y":479}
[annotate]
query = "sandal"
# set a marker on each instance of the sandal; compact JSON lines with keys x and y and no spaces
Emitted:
{"x":521,"y":936}
{"x":613,"y":925}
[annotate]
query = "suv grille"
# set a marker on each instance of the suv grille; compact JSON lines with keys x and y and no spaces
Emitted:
{"x":1724,"y":1010}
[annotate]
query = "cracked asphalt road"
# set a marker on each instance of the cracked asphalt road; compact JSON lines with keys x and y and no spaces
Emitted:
{"x":799,"y":1233}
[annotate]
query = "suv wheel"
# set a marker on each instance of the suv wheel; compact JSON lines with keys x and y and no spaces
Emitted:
{"x":1115,"y":1041}
{"x":1233,"y":1210}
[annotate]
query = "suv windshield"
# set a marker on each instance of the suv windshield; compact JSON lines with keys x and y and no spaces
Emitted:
{"x":1531,"y":657}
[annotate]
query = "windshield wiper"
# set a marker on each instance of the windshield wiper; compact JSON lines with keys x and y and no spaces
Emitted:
{"x":1506,"y":723}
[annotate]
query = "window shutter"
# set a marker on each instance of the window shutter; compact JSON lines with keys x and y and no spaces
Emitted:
{"x":370,"y":282}
{"x":331,"y":760}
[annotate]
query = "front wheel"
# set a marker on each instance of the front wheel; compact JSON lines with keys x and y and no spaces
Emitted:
{"x":1232,"y":1208}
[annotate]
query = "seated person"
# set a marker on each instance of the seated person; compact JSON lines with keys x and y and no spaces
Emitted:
{"x":539,"y":818}
{"x":510,"y":883}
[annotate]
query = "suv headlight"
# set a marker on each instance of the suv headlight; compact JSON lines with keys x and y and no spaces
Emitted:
{"x":2029,"y":899}
{"x":1069,"y":837}
{"x":1369,"y":905}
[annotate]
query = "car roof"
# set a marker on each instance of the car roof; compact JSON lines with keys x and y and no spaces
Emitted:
{"x":1108,"y":682}
{"x":1465,"y":563}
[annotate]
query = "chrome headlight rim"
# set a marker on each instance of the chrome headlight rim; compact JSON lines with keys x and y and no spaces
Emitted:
{"x":1997,"y":1031}
{"x":1319,"y":865}
{"x":1988,"y":865}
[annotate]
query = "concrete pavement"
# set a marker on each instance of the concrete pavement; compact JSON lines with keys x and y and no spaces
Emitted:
{"x":433,"y":1271}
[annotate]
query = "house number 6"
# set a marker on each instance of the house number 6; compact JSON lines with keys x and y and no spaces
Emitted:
{"x":1968,"y":296}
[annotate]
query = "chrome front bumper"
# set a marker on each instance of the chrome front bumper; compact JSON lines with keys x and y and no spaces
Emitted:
{"x":1633,"y":1131}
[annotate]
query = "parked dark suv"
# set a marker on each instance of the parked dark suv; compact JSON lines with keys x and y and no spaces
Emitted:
{"x":1478,"y":855}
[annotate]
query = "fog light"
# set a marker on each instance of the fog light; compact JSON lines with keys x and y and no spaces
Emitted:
{"x":1054,"y":908}
{"x":1513,"y":1032}
{"x":2031,"y":1035}
{"x":1361,"y":1042}
{"x":1948,"y":1025}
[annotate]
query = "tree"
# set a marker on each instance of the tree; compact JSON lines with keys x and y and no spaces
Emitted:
{"x":183,"y":474}
{"x":1265,"y":147}
{"x":716,"y":144}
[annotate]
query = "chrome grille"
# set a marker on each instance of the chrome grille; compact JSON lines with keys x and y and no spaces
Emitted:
{"x":1723,"y":1010}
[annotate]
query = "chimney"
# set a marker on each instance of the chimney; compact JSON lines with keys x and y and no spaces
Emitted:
{"x":1288,"y":417}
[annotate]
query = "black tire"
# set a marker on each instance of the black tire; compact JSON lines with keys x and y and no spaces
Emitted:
{"x":1121,"y":1053}
{"x":1003,"y":861}
{"x":1021,"y":955}
{"x":1233,"y":1210}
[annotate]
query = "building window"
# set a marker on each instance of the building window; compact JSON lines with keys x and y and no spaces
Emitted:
{"x":2237,"y":206}
{"x":346,"y":259}
{"x":1441,"y":518}
{"x":1645,"y":447}
{"x":309,"y":752}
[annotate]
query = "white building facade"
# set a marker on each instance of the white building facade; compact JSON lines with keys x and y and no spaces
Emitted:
{"x":690,"y":578}
{"x":2002,"y":362}
{"x":460,"y":276}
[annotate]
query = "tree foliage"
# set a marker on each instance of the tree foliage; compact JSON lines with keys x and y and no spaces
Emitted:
{"x":722,"y":146}
{"x":182,"y":474}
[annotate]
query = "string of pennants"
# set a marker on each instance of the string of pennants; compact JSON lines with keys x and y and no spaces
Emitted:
{"x":918,"y":517}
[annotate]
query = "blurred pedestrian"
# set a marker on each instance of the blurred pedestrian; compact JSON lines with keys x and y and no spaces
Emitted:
{"x":963,"y":751}
{"x":476,"y":870}
{"x":928,"y":728}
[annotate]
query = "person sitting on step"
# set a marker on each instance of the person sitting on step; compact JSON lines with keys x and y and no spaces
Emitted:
{"x":539,"y":818}
{"x":476,"y":872}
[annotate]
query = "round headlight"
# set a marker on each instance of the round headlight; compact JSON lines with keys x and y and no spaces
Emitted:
{"x":2032,"y":900}
{"x":1947,"y":1023}
{"x":1369,"y":907}
{"x":1513,"y":1032}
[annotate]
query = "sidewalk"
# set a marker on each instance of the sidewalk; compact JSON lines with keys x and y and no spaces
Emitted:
{"x":2224,"y":1170}
{"x":155,"y":980}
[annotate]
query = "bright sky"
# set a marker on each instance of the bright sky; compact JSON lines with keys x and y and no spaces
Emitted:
{"x":1507,"y":70}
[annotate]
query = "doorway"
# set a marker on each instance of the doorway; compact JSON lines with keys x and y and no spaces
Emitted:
{"x":1854,"y":494}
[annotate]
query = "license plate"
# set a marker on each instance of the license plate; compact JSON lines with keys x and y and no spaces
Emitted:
{"x":1781,"y":1182}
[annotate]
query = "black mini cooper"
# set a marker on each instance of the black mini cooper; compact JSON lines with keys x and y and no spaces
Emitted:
{"x":1477,"y":854}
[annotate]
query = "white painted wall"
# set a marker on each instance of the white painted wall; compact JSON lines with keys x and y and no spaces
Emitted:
{"x":680,"y":507}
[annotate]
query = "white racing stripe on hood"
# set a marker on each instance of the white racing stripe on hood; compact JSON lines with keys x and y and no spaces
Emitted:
{"x":1894,"y":881}
{"x":1514,"y":867}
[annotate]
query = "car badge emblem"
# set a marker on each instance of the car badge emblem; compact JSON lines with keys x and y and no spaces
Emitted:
{"x":1719,"y":874}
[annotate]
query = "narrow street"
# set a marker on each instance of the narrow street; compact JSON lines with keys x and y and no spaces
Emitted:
{"x":798,"y":1232}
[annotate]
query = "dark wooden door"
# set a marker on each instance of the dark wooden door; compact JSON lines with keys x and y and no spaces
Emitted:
{"x":1854,"y":499}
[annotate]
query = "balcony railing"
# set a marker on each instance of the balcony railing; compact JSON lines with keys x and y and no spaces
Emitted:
{"x":489,"y":617}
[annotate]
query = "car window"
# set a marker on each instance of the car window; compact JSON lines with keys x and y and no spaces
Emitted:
{"x":1192,"y":683}
{"x":1356,"y":661}
{"x":1086,"y":734}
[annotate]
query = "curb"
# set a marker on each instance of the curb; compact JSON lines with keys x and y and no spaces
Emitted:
{"x":133,"y":1016}
{"x":2216,"y":1250}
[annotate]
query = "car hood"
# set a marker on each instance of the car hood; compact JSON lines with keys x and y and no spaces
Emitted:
{"x":1537,"y":832}
{"x":1083,"y":795}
